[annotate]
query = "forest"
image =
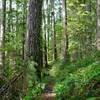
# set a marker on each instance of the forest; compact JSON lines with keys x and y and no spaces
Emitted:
{"x":49,"y":49}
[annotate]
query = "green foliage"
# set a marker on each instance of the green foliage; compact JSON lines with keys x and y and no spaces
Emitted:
{"x":61,"y":69}
{"x":34,"y":91}
{"x":75,"y":80}
{"x":93,"y":98}
{"x":80,"y":84}
{"x":31,"y":71}
{"x":35,"y":87}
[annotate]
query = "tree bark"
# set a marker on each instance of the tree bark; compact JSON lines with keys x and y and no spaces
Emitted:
{"x":45,"y":34}
{"x":24,"y":27}
{"x":64,"y":8}
{"x":10,"y":16}
{"x":53,"y":31}
{"x":98,"y":25}
{"x":34,"y":34}
{"x":4,"y":31}
{"x":1,"y":38}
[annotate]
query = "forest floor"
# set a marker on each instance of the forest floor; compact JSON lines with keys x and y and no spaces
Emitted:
{"x":48,"y":93}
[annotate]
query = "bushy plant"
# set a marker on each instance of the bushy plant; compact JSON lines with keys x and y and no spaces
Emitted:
{"x":35,"y":87}
{"x":80,"y":84}
{"x":34,"y":91}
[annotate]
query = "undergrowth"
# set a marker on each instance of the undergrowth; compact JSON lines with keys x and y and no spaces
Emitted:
{"x":77,"y":80}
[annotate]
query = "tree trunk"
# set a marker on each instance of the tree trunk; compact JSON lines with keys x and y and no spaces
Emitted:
{"x":45,"y":49}
{"x":10,"y":16}
{"x":66,"y":55}
{"x":45,"y":35}
{"x":98,"y":24}
{"x":53,"y":31}
{"x":48,"y":23}
{"x":1,"y":34}
{"x":24,"y":27}
{"x":34,"y":34}
{"x":4,"y":31}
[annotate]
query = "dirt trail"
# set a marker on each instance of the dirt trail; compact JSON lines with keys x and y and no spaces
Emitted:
{"x":49,"y":95}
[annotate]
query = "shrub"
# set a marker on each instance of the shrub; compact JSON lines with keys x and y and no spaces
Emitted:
{"x":79,"y":85}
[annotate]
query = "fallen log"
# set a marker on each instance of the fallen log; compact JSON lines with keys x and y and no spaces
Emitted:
{"x":7,"y":88}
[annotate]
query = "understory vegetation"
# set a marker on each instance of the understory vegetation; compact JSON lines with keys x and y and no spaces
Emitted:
{"x":79,"y":80}
{"x":49,"y":49}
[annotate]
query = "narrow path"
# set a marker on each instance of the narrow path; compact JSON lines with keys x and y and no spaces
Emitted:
{"x":48,"y":94}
